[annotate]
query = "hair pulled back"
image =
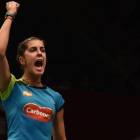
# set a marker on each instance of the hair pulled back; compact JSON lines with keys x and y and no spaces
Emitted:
{"x":24,"y":45}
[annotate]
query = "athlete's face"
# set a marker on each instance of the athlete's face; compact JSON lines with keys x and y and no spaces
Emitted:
{"x":35,"y":58}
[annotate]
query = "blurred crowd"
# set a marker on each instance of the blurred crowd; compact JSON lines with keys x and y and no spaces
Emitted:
{"x":118,"y":85}
{"x":67,"y":83}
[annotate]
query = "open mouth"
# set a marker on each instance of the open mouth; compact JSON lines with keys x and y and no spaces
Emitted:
{"x":38,"y":64}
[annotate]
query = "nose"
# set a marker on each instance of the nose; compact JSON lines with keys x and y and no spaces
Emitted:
{"x":39,"y":53}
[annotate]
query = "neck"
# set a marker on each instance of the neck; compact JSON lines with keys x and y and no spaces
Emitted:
{"x":32,"y":80}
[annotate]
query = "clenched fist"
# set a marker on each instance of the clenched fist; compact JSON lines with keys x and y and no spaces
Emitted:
{"x":12,"y":7}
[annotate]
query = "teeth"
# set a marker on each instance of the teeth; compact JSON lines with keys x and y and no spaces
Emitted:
{"x":40,"y":60}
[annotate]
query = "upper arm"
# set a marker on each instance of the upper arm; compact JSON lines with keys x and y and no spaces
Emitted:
{"x":58,"y":126}
{"x":4,"y":73}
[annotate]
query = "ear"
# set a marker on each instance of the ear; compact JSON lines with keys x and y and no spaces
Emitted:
{"x":21,"y":60}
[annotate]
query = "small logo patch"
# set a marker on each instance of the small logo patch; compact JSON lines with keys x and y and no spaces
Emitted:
{"x":53,"y":102}
{"x":36,"y":112}
{"x":26,"y":93}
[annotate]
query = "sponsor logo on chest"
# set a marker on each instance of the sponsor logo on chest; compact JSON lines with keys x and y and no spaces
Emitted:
{"x":38,"y":113}
{"x":27,"y":93}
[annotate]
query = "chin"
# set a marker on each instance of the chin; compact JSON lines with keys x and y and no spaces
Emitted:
{"x":38,"y":73}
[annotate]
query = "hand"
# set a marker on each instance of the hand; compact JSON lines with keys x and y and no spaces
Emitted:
{"x":12,"y":7}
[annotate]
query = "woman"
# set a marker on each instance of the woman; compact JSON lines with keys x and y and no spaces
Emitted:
{"x":33,"y":111}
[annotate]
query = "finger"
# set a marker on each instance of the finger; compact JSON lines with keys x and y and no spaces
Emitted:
{"x":17,"y":5}
{"x":9,"y":5}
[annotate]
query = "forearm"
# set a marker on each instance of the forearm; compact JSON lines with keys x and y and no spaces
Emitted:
{"x":4,"y":35}
{"x":59,"y":138}
{"x":12,"y":8}
{"x":59,"y":127}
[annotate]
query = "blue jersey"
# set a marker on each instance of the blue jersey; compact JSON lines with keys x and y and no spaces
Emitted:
{"x":30,"y":111}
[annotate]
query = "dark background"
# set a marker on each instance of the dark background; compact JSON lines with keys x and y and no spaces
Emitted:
{"x":93,"y":60}
{"x":96,"y":39}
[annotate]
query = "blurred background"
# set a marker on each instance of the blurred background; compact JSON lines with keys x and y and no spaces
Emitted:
{"x":93,"y":61}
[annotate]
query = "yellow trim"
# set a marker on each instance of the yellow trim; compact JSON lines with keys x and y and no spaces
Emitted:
{"x":7,"y":93}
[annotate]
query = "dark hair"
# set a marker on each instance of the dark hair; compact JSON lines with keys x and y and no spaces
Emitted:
{"x":24,"y":45}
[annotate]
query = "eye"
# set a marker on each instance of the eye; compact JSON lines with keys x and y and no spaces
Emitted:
{"x":32,"y":49}
{"x":42,"y":49}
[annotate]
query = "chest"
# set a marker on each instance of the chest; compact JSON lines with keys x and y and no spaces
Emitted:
{"x":35,"y":103}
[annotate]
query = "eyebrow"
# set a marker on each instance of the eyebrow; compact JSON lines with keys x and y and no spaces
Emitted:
{"x":36,"y":47}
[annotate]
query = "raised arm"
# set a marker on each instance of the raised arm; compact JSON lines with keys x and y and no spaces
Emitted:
{"x":12,"y":8}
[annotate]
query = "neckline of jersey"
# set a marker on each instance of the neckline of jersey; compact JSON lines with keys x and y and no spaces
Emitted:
{"x":44,"y":86}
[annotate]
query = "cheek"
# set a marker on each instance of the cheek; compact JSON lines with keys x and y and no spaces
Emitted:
{"x":45,"y":58}
{"x":29,"y":60}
